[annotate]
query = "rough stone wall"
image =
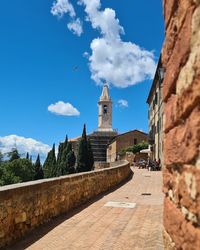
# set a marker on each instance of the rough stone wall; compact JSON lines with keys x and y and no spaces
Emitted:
{"x":27,"y":205}
{"x":181,"y":91}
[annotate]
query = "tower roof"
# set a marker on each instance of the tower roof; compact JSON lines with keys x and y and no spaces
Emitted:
{"x":105,"y":96}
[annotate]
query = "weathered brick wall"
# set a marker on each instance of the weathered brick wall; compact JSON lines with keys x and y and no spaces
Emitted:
{"x":27,"y":205}
{"x":181,"y":91}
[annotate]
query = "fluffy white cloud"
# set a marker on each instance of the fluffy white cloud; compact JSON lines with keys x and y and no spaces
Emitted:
{"x":61,"y":7}
{"x":120,"y":63}
{"x":65,"y":109}
{"x":123,"y":103}
{"x":23,"y":145}
{"x":76,"y":27}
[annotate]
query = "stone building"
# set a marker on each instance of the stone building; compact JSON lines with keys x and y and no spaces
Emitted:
{"x":123,"y":141}
{"x":181,"y":95}
{"x":155,"y":115}
{"x":101,"y":138}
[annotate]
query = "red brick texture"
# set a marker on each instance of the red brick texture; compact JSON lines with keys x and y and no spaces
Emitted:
{"x":181,"y":92}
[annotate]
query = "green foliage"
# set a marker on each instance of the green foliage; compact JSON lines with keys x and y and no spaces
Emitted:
{"x":39,"y":174}
{"x":13,"y":155}
{"x":19,"y":170}
{"x":90,"y":156}
{"x":63,"y":150}
{"x":70,"y":162}
{"x":27,"y":156}
{"x":49,"y":168}
{"x":85,"y":160}
{"x":135,"y":148}
{"x":1,"y":157}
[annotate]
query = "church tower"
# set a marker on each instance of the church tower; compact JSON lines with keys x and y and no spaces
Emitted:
{"x":105,"y":111}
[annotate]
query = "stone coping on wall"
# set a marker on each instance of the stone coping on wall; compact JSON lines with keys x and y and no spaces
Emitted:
{"x":27,"y":205}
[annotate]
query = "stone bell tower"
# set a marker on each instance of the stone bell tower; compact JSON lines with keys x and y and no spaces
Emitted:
{"x":105,"y":111}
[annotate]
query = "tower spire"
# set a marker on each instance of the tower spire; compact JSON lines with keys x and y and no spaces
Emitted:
{"x":105,"y":93}
{"x":105,"y":111}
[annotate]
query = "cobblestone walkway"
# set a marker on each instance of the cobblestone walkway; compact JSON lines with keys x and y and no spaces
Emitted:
{"x":99,"y":227}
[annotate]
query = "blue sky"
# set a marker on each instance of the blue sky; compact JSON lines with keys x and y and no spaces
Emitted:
{"x":42,"y":62}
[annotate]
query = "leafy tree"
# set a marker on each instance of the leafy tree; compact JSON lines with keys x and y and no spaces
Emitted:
{"x":50,"y":169}
{"x":13,"y":155}
{"x":19,"y":170}
{"x":135,"y":148}
{"x":82,"y":157}
{"x":39,"y":174}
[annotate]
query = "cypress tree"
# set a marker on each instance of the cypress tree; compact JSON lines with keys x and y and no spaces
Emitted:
{"x":39,"y":174}
{"x":70,"y":162}
{"x":82,"y":157}
{"x":61,"y":158}
{"x":50,"y":169}
{"x":90,"y":157}
{"x":27,"y":156}
{"x":66,"y":151}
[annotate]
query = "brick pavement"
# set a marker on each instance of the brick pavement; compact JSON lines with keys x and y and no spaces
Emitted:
{"x":97,"y":227}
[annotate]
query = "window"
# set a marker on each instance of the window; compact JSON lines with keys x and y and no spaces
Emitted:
{"x":135,"y":141}
{"x":156,"y":98}
{"x":105,"y":109}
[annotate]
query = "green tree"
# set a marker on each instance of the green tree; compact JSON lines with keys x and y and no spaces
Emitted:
{"x":82,"y":157}
{"x":136,"y":148}
{"x":1,"y":157}
{"x":70,"y":162}
{"x":61,"y":158}
{"x":64,"y":165}
{"x":19,"y":170}
{"x":49,"y":168}
{"x":13,"y":155}
{"x":27,"y":156}
{"x":39,"y":174}
{"x":90,"y":157}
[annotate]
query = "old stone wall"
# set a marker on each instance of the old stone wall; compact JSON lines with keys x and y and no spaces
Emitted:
{"x":27,"y":205}
{"x":181,"y":91}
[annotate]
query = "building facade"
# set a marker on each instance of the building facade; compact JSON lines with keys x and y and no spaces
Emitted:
{"x":123,"y":141}
{"x":155,"y":115}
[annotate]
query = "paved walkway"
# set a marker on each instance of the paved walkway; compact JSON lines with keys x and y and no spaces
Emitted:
{"x":96,"y":226}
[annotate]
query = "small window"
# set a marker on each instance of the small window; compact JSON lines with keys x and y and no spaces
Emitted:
{"x":135,"y":141}
{"x":156,"y":98}
{"x":105,"y":109}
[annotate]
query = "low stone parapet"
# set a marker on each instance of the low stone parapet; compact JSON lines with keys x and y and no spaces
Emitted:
{"x":27,"y":205}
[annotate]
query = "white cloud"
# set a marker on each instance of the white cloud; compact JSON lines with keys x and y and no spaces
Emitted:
{"x":120,"y":63}
{"x":113,"y":60}
{"x":76,"y":27}
{"x":123,"y":103}
{"x":65,"y":109}
{"x":23,"y":145}
{"x":61,"y":7}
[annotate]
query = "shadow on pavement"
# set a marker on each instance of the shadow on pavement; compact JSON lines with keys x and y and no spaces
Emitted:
{"x":38,"y":232}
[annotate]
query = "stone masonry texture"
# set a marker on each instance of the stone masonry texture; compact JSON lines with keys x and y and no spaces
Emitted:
{"x":27,"y":205}
{"x":94,"y":226}
{"x":181,"y":92}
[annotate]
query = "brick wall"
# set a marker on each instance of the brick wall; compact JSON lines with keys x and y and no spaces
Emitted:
{"x":25,"y":206}
{"x":181,"y":91}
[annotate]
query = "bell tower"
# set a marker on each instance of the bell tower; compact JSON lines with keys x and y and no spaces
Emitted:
{"x":105,"y":111}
